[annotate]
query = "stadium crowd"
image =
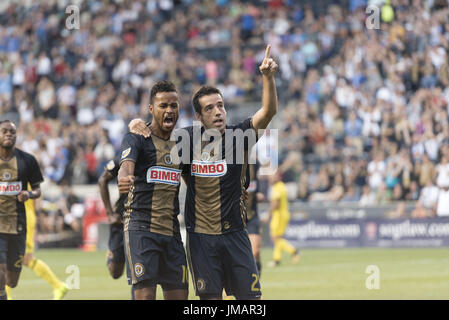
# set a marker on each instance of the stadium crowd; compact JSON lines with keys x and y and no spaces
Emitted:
{"x":363,"y":112}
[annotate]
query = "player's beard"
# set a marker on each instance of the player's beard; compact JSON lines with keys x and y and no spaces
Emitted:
{"x":10,"y":145}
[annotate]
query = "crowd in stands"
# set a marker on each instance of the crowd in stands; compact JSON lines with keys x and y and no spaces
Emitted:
{"x":363,"y":113}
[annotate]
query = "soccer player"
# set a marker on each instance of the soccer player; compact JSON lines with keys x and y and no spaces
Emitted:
{"x":39,"y":267}
{"x":218,"y":246}
{"x":17,"y":169}
{"x":150,"y":175}
{"x":116,"y":253}
{"x":279,"y":216}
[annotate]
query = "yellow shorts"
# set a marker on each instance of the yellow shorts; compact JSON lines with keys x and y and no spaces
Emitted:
{"x":277,"y":227}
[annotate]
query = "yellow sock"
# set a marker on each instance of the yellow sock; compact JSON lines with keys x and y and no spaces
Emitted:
{"x":277,"y":251}
{"x":8,"y":292}
{"x":286,"y":246}
{"x":280,"y":246}
{"x":44,"y":271}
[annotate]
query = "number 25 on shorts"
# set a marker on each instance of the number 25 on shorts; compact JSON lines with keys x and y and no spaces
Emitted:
{"x":256,"y":280}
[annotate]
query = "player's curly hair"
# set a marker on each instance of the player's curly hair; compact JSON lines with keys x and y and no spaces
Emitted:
{"x":203,"y":91}
{"x":162,"y":86}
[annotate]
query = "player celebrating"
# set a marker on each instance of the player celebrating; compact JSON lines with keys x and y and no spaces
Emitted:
{"x":218,"y":245}
{"x":280,"y":216}
{"x":150,"y":175}
{"x":17,"y":169}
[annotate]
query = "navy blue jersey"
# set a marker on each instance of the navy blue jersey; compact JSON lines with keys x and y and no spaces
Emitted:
{"x":15,"y":174}
{"x":216,"y":180}
{"x":253,"y":185}
{"x":152,"y":202}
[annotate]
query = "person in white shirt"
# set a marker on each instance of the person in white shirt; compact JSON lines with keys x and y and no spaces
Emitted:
{"x":443,"y":201}
{"x":429,"y":195}
{"x":443,"y":172}
{"x":376,"y":171}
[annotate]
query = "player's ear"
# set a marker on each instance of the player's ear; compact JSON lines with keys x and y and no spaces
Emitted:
{"x":150,"y":108}
{"x":197,"y":116}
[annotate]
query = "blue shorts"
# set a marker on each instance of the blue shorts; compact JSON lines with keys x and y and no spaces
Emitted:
{"x":12,"y":250}
{"x":156,"y":258}
{"x":253,"y":225}
{"x":223,"y":261}
{"x":116,"y":252}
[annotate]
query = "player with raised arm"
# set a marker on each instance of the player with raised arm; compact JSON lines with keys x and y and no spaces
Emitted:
{"x":150,"y":176}
{"x":17,"y":170}
{"x":218,"y":246}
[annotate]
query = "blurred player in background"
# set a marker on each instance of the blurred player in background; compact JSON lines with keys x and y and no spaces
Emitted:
{"x":253,"y":220}
{"x":17,"y":170}
{"x":115,"y":256}
{"x":116,"y":253}
{"x":39,"y":267}
{"x":279,"y":217}
{"x":150,"y":176}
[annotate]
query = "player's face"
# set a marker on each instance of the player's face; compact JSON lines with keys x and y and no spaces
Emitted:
{"x":8,"y":135}
{"x":165,"y":110}
{"x":213,"y":112}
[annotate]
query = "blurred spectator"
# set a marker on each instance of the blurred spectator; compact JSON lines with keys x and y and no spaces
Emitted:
{"x":71,"y":210}
{"x":419,"y":212}
{"x":442,"y":208}
{"x":368,"y":198}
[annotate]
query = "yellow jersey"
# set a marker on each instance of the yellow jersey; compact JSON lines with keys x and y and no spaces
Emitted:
{"x":281,"y":216}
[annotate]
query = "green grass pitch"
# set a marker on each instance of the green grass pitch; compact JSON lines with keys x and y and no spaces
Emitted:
{"x":321,"y":274}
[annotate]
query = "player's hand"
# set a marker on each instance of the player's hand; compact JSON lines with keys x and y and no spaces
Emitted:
{"x":260,"y":196}
{"x":268,"y":67}
{"x":23,"y":196}
{"x":138,"y":126}
{"x":115,"y":218}
{"x":125,"y":183}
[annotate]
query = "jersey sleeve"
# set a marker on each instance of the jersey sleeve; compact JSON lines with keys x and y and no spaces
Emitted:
{"x":130,"y":147}
{"x":113,"y":166}
{"x":251,"y":135}
{"x":34,"y":175}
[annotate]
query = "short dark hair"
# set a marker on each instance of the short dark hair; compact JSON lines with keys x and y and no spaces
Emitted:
{"x":162,"y":86}
{"x":203,"y":91}
{"x":7,"y":120}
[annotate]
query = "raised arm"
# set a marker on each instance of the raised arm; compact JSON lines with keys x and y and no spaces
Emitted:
{"x":263,"y":116}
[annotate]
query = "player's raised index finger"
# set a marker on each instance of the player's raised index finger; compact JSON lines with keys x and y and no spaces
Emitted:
{"x":267,"y":51}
